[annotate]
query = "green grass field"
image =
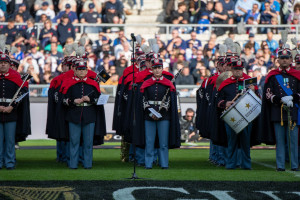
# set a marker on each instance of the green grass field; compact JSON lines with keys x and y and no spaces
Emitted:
{"x":185,"y":164}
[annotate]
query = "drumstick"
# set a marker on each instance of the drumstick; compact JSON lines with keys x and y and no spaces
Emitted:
{"x":234,"y":99}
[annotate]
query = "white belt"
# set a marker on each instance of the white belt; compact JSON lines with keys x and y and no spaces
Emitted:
{"x":154,"y":102}
{"x":84,"y":104}
{"x":3,"y":100}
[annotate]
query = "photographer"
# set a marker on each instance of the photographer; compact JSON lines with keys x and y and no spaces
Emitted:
{"x":188,"y":126}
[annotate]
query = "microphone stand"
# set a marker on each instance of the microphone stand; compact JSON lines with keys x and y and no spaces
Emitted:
{"x":134,"y":175}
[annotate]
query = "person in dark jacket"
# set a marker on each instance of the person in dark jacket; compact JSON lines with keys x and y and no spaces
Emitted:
{"x":10,"y":82}
{"x":80,"y":97}
{"x":65,"y":30}
{"x":166,"y":122}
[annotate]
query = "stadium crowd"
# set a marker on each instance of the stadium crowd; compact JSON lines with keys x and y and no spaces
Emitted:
{"x":41,"y":54}
{"x":231,"y":12}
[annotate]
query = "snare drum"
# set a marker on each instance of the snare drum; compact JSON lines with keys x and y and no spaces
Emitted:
{"x":243,"y":111}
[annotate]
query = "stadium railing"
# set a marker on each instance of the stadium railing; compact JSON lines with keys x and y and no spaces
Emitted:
{"x":42,"y":90}
{"x":166,"y":28}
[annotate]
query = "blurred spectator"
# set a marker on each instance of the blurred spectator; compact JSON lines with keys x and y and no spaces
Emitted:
{"x":208,"y":9}
{"x":97,"y":4}
{"x":53,"y":39}
{"x":65,"y":29}
{"x":104,"y":64}
{"x":251,"y":29}
{"x":2,"y":16}
{"x":46,"y":33}
{"x":108,"y":51}
{"x":275,"y":30}
{"x":260,"y":80}
{"x":267,"y":15}
{"x":252,"y":42}
{"x":200,"y":73}
{"x":113,"y":16}
{"x":188,"y":126}
{"x":70,"y":40}
{"x":211,"y":44}
{"x":23,"y":11}
{"x":273,"y":44}
{"x":176,"y":44}
{"x":219,"y":17}
{"x":294,"y":14}
{"x":38,"y":4}
{"x":181,"y":14}
{"x":141,"y":4}
{"x":43,"y":18}
{"x":118,"y":40}
{"x":160,"y":42}
{"x":266,"y":54}
{"x":54,"y":53}
{"x":242,"y":7}
{"x":31,"y":71}
{"x":194,"y":8}
{"x":3,"y":7}
{"x":71,"y":14}
{"x":91,"y":16}
{"x":19,"y":19}
{"x":19,"y":55}
{"x":254,"y":12}
{"x":45,"y":9}
{"x":208,"y":59}
{"x":28,"y":61}
{"x":194,"y":61}
{"x":191,"y":53}
{"x":92,"y":58}
{"x":46,"y":76}
{"x":118,"y":6}
{"x":180,"y":60}
{"x":274,"y":5}
{"x":10,"y":31}
{"x":228,"y":7}
{"x":194,"y":40}
{"x":35,"y":54}
{"x":204,"y":20}
{"x":185,"y":78}
{"x":31,"y":31}
{"x":121,"y":65}
{"x":62,"y":5}
{"x":248,"y":54}
{"x":260,"y":65}
{"x":112,"y":81}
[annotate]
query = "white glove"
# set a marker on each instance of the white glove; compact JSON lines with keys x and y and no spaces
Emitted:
{"x":286,"y":99}
{"x":290,"y":104}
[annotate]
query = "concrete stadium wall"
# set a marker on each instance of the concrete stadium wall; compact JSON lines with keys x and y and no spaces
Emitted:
{"x":38,"y":113}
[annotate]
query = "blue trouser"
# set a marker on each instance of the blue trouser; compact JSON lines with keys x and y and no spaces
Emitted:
{"x":141,"y":1}
{"x":162,"y":128}
{"x":280,"y":133}
{"x":87,"y":131}
{"x":243,"y":138}
{"x":61,"y":151}
{"x":7,"y":144}
{"x":221,"y":155}
{"x":140,"y":155}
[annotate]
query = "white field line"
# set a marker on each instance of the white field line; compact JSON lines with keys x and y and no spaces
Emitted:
{"x":297,"y":174}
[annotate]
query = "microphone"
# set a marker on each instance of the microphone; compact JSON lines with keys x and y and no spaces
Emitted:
{"x":133,"y":37}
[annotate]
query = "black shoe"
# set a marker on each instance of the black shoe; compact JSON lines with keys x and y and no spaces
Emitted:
{"x":230,"y":168}
{"x":72,"y":168}
{"x":10,"y":168}
{"x":247,"y":168}
{"x":280,"y":170}
{"x":140,"y":164}
{"x":148,"y":167}
{"x":295,"y":169}
{"x":165,"y":168}
{"x":87,"y":168}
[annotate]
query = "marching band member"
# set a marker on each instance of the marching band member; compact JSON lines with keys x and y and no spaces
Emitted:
{"x":282,"y":89}
{"x":13,"y":113}
{"x":80,"y":96}
{"x":159,"y":94}
{"x":226,"y":93}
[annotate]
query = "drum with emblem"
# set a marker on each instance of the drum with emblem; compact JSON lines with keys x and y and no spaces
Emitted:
{"x":243,"y":111}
